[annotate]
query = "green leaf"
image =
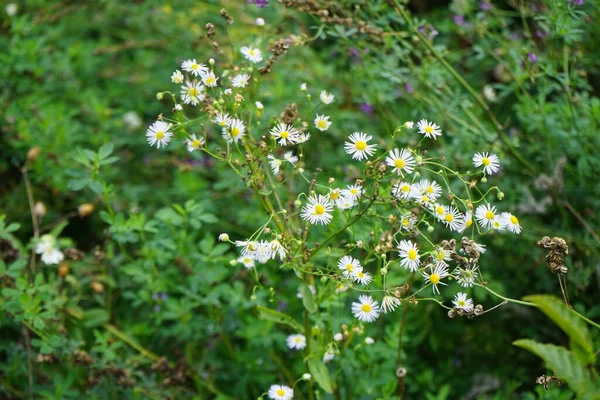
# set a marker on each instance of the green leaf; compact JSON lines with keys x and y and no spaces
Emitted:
{"x":319,"y":371}
{"x":57,"y":230}
{"x":109,"y":160}
{"x":565,"y":318}
{"x":564,"y":365}
{"x":389,"y":388}
{"x":95,"y":317}
{"x":96,"y":186}
{"x":77,"y":184}
{"x":280,"y":318}
{"x":307,"y":299}
{"x":13,"y":227}
{"x":105,"y":216}
{"x":105,"y":150}
{"x":326,"y":291}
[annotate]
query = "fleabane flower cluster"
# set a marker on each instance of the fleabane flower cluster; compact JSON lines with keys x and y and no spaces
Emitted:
{"x":261,"y":251}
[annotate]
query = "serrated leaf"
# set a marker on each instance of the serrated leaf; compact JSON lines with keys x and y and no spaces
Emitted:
{"x":565,"y":318}
{"x":280,"y":318}
{"x":320,"y":373}
{"x":564,"y":365}
{"x":308,"y":299}
{"x":105,"y":150}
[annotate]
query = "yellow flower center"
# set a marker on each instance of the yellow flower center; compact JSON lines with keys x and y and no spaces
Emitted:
{"x":449,"y":218}
{"x":485,"y":161}
{"x":440,"y":210}
{"x":366,"y":308}
{"x":246,"y":260}
{"x":489,"y":215}
{"x":280,"y":392}
{"x":334,"y":195}
{"x":251,"y":247}
{"x":349,"y":267}
{"x":412,"y":254}
{"x":298,"y":340}
{"x":235,"y":132}
{"x":360,"y":275}
{"x":405,"y":188}
{"x":319,"y":209}
{"x":469,"y":223}
{"x":468,"y":273}
{"x":406,"y":222}
{"x":425,"y":199}
{"x":399,"y":163}
{"x":440,"y":255}
{"x":353,"y":191}
{"x":160,"y":134}
{"x":429,"y":189}
{"x":497,"y":224}
{"x":195,"y":66}
{"x":429,"y":129}
{"x":322,"y":123}
{"x":461,"y":303}
{"x":360,"y":145}
{"x":284,"y":134}
{"x":210,"y":80}
{"x":193,"y":92}
{"x":251,"y":52}
{"x":222,"y":123}
{"x":434,"y":278}
{"x":514,"y":220}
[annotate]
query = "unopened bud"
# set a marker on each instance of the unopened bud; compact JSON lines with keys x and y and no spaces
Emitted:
{"x":97,"y":287}
{"x":33,"y":153}
{"x":338,"y":337}
{"x":484,"y":179}
{"x":430,"y":229}
{"x":253,"y":297}
{"x":384,"y":271}
{"x":223,"y":237}
{"x":306,"y":377}
{"x":159,"y":96}
{"x":85,"y":209}
{"x":211,"y":61}
{"x":500,"y":195}
{"x":40,"y":209}
{"x":297,"y":203}
{"x":63,"y":269}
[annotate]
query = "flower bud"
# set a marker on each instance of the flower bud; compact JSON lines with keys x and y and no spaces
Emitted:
{"x":33,"y":153}
{"x":63,"y":269}
{"x":159,"y":96}
{"x":338,"y":337}
{"x":85,"y":209}
{"x":303,"y":87}
{"x":253,"y":297}
{"x":211,"y":61}
{"x":223,"y":237}
{"x":259,"y":105}
{"x":369,"y":340}
{"x":40,"y":209}
{"x":97,"y":287}
{"x":233,"y":262}
{"x":384,"y":271}
{"x":484,"y":179}
{"x":500,"y":195}
{"x":260,"y":22}
{"x":306,"y":377}
{"x":297,"y":203}
{"x":430,"y":229}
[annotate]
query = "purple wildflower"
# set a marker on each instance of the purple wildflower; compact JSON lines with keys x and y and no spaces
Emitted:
{"x":532,"y":58}
{"x":367,"y":108}
{"x":156,"y":308}
{"x":408,"y":88}
{"x":259,"y":3}
{"x":459,"y":20}
{"x":485,"y":6}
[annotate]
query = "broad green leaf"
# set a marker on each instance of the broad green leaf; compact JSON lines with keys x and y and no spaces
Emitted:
{"x":280,"y":318}
{"x":564,"y":365}
{"x":95,"y":317}
{"x":565,"y":318}
{"x":57,"y":230}
{"x":105,"y":150}
{"x":320,"y":373}
{"x":307,"y":299}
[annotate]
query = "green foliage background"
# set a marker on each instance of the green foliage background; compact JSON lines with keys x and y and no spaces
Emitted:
{"x":69,"y":73}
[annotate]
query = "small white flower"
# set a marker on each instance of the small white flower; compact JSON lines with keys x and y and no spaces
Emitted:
{"x":490,"y":162}
{"x":345,"y":202}
{"x":132,"y":120}
{"x":437,"y":274}
{"x":11,"y":9}
{"x":453,"y":219}
{"x":511,"y":222}
{"x":194,"y":143}
{"x":353,"y":192}
{"x":322,"y":122}
{"x":177,"y":77}
{"x":228,"y":92}
{"x":192,"y":93}
{"x":259,"y":105}
{"x":369,"y":340}
{"x":334,"y":194}
{"x":429,"y":188}
{"x":499,"y":223}
{"x":178,"y":107}
{"x":286,"y":134}
{"x":277,"y":249}
{"x":328,"y":357}
{"x":461,"y":302}
{"x":240,"y":81}
{"x":306,"y":376}
{"x":209,"y":79}
{"x":338,"y":337}
{"x":275,"y":164}
{"x":358,"y":146}
{"x":280,"y":392}
{"x":194,"y":68}
{"x":251,"y":54}
{"x":247,"y":260}
{"x":303,"y":87}
{"x":296,"y":342}
{"x":260,"y":22}
{"x":430,"y":130}
{"x":303,"y":137}
{"x":326,"y":98}
{"x":389,"y":304}
{"x":235,"y":131}
{"x":404,"y":191}
{"x":485,"y":215}
{"x":366,"y":310}
{"x":409,"y":254}
{"x":318,"y":210}
{"x":408,"y":222}
{"x":349,"y":266}
{"x":364,"y":278}
{"x":466,"y":277}
{"x":409,"y":124}
{"x":222,"y":119}
{"x":47,"y":248}
{"x":159,"y":133}
{"x":290,"y":157}
{"x":223,"y":237}
{"x":401,"y":160}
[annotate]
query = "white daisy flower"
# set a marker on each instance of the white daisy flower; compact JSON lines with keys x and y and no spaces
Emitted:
{"x":177,"y":77}
{"x":259,"y":105}
{"x":461,"y":302}
{"x":468,"y":219}
{"x":453,"y":219}
{"x":441,"y":255}
{"x":251,"y":54}
{"x":159,"y":133}
{"x":438,"y":273}
{"x":228,"y":92}
{"x":280,"y":392}
{"x":511,"y":222}
{"x":194,"y":68}
{"x":290,"y":157}
{"x":275,"y":164}
{"x":466,"y":277}
{"x":408,"y":221}
{"x":178,"y":107}
{"x":240,"y":81}
{"x":358,"y":146}
{"x":345,"y":203}
{"x":234,"y":131}
{"x":277,"y":249}
{"x":362,"y":277}
{"x":439,"y":211}
{"x":389,"y":304}
{"x":209,"y":79}
{"x":499,"y":223}
{"x":424,"y":200}
{"x":322,"y":122}
{"x":490,"y":162}
{"x":194,"y":143}
{"x":404,"y":191}
{"x":349,"y":266}
{"x":353,"y":192}
{"x":247,"y":261}
{"x":409,"y":254}
{"x":326,"y":98}
{"x":341,"y":288}
{"x":430,"y":188}
{"x":296,"y":342}
{"x":369,"y":340}
{"x":192,"y":93}
{"x":485,"y":215}
{"x":401,"y":160}
{"x":334,"y":194}
{"x":263,"y":252}
{"x":286,"y":134}
{"x":303,"y":87}
{"x":303,"y":137}
{"x":409,"y":124}
{"x":318,"y":210}
{"x":430,"y":130}
{"x":366,"y":310}
{"x":222,"y":119}
{"x":328,"y":356}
